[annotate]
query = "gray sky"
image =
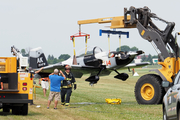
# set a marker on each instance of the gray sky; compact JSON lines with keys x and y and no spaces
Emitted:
{"x":50,"y":23}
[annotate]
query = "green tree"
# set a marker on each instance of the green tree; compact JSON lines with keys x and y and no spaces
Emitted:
{"x":124,"y":48}
{"x":55,"y":60}
{"x":154,"y":56}
{"x":143,"y":57}
{"x":134,"y":49}
{"x":23,"y":52}
{"x":52,"y":60}
{"x":149,"y":59}
{"x":50,"y":57}
{"x":64,"y":57}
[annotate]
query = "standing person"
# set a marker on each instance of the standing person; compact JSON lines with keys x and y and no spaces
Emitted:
{"x":66,"y":86}
{"x":55,"y":83}
{"x":44,"y":82}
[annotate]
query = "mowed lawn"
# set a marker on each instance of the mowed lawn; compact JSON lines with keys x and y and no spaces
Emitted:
{"x":88,"y":102}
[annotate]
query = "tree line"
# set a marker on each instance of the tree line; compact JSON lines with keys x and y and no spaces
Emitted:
{"x":52,"y":60}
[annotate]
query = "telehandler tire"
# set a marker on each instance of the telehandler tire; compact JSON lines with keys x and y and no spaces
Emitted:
{"x":148,"y":89}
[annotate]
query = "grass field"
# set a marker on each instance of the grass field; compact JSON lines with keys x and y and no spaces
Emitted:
{"x":88,"y":103}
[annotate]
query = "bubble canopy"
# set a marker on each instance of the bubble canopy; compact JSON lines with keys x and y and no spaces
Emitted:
{"x":91,"y":50}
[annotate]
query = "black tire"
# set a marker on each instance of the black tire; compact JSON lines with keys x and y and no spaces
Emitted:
{"x":164,"y":114}
{"x":24,"y":109}
{"x":16,"y":110}
{"x":178,"y":113}
{"x":13,"y":110}
{"x":148,"y":89}
{"x":6,"y":109}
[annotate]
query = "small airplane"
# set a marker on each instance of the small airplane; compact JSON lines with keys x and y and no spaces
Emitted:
{"x":96,"y":62}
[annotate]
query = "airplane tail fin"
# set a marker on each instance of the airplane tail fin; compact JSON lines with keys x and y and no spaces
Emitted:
{"x":37,"y":58}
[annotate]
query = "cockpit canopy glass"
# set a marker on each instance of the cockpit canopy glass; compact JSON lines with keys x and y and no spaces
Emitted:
{"x":91,"y":50}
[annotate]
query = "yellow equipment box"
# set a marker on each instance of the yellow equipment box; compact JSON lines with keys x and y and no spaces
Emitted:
{"x":113,"y":101}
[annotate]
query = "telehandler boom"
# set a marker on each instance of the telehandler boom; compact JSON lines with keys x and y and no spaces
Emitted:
{"x":148,"y":89}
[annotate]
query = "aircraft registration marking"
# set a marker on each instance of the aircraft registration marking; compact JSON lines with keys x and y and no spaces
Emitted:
{"x":107,"y":62}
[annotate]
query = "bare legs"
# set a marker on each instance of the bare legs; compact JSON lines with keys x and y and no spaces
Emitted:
{"x":44,"y":91}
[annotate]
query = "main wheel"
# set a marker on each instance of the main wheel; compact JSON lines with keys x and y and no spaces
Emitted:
{"x":148,"y":89}
{"x":16,"y":110}
{"x":24,"y":109}
{"x":6,"y":109}
{"x":20,"y":110}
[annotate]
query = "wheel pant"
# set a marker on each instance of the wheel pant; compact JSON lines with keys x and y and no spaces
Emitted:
{"x":67,"y":92}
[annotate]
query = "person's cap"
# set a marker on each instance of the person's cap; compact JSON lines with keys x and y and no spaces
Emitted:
{"x":55,"y":70}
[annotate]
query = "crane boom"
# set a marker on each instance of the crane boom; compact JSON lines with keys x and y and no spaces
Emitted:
{"x":141,"y":18}
{"x":116,"y":22}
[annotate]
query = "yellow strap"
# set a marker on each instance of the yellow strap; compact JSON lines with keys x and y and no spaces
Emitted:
{"x":68,"y":79}
{"x":86,"y":44}
{"x":74,"y":46}
{"x":109,"y":43}
{"x":34,"y":91}
{"x":66,"y":87}
{"x":119,"y":43}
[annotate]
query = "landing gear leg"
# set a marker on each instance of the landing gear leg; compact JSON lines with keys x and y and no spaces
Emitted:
{"x":93,"y":79}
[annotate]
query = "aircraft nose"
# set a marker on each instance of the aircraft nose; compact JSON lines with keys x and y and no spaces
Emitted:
{"x":139,"y":52}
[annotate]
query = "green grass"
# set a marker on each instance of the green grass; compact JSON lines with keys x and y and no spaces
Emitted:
{"x":88,"y":102}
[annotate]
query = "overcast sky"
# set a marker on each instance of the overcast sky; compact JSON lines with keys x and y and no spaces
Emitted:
{"x":50,"y":23}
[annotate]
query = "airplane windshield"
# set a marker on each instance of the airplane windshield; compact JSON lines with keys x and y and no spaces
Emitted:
{"x":97,"y":50}
{"x":90,"y":51}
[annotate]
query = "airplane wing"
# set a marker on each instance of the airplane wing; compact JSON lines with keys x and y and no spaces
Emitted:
{"x":136,"y":65}
{"x":77,"y":70}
